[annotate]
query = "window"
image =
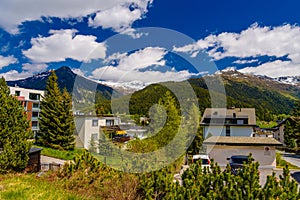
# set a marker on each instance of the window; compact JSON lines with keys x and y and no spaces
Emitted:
{"x":240,"y":121}
{"x":34,"y":124}
{"x":34,"y":96}
{"x":17,"y":93}
{"x":109,"y":122}
{"x":95,"y":122}
{"x":35,"y":114}
{"x":35,"y":105}
{"x":227,"y":130}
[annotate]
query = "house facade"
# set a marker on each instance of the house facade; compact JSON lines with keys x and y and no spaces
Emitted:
{"x":232,"y":131}
{"x":30,"y":100}
{"x":262,"y":149}
{"x":88,"y":127}
{"x":229,"y":122}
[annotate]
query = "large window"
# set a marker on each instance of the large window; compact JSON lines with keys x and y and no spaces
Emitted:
{"x":34,"y":96}
{"x":95,"y":122}
{"x":109,"y":122}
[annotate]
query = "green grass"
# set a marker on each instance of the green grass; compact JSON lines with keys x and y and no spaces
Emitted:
{"x":280,"y":163}
{"x":263,"y":124}
{"x":28,"y":187}
{"x":65,"y":155}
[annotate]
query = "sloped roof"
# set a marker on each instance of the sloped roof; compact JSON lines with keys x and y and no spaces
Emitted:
{"x":242,"y":141}
{"x":231,"y":113}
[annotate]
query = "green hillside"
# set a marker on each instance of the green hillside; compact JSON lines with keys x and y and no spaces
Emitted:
{"x":267,"y":96}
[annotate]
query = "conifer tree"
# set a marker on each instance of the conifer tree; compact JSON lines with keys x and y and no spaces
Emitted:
{"x":14,"y":132}
{"x":56,"y":119}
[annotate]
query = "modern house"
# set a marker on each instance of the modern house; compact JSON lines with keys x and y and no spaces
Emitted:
{"x":229,"y":132}
{"x":88,"y":127}
{"x":30,"y":100}
{"x":229,"y":122}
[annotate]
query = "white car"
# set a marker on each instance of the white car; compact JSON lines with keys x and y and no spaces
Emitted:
{"x":205,"y":161}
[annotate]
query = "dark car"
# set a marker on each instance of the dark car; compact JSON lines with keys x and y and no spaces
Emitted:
{"x":121,"y":138}
{"x":237,"y":162}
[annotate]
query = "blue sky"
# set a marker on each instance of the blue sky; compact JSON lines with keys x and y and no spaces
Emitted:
{"x":107,"y":40}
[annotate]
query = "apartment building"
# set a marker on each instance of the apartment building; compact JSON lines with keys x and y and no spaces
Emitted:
{"x":30,"y":100}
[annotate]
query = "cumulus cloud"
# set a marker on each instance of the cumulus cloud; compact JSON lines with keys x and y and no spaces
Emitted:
{"x":63,"y":44}
{"x":120,"y":17}
{"x":28,"y":70}
{"x":252,"y":42}
{"x":5,"y":61}
{"x":274,"y":69}
{"x":14,"y":12}
{"x":133,"y":67}
{"x":34,"y":68}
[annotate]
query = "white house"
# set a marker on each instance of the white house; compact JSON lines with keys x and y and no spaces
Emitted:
{"x":261,"y":148}
{"x":231,"y":131}
{"x":229,"y":122}
{"x":88,"y":127}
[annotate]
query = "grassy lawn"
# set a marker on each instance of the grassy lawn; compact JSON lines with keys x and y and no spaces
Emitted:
{"x":65,"y":155}
{"x":280,"y":163}
{"x":27,"y":186}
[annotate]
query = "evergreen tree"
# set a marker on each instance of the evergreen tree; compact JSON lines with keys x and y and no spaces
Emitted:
{"x":56,"y":119}
{"x":14,"y":132}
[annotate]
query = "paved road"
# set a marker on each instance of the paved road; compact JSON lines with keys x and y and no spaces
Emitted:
{"x":291,"y":158}
{"x":295,"y":160}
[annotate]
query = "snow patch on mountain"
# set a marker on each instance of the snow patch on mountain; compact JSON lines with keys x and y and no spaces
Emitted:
{"x":125,"y":87}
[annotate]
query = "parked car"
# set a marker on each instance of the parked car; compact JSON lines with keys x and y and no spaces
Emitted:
{"x":205,"y":161}
{"x":237,"y":162}
{"x":121,"y":138}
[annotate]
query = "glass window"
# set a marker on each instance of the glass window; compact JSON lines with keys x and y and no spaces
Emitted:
{"x":109,"y":122}
{"x":34,"y":96}
{"x":17,"y":93}
{"x":35,"y":105}
{"x":95,"y":122}
{"x":35,"y":114}
{"x":34,"y":124}
{"x":240,"y":121}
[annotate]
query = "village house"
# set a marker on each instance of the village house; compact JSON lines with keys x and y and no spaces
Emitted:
{"x":88,"y":127}
{"x":229,"y":132}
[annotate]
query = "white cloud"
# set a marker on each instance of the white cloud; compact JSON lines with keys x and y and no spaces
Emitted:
{"x":117,"y":75}
{"x":246,"y":61}
{"x":252,"y":42}
{"x":62,"y":44}
{"x":5,"y":61}
{"x":120,"y":17}
{"x":14,"y":12}
{"x":34,"y":68}
{"x":274,"y":69}
{"x":28,"y":70}
{"x":129,"y":66}
{"x":78,"y":71}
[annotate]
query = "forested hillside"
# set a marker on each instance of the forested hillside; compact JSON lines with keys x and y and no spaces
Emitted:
{"x":267,"y":96}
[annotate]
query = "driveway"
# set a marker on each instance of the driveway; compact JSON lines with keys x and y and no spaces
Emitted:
{"x":295,"y":160}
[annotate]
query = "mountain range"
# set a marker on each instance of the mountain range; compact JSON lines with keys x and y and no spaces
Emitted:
{"x":268,"y":95}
